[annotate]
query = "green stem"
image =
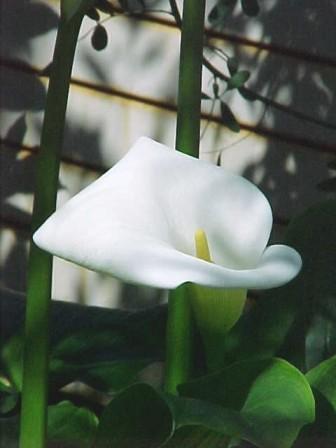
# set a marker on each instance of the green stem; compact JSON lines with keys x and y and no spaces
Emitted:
{"x":179,"y":339}
{"x":36,"y":353}
{"x":179,"y":327}
{"x":190,"y":78}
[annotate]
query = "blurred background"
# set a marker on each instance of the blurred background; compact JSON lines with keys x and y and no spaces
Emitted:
{"x":286,"y":144}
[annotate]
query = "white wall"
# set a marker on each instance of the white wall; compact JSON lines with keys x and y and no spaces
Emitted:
{"x":292,"y":62}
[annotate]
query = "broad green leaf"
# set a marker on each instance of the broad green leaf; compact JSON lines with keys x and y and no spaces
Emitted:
{"x":99,"y":38}
{"x":190,"y":412}
{"x":114,"y":336}
{"x":141,"y":417}
{"x":69,"y":424}
{"x":237,"y":80}
{"x":323,"y":378}
{"x":228,"y":119}
{"x":69,"y":8}
{"x":272,"y":395}
{"x":250,"y":7}
{"x":279,"y":404}
{"x":137,"y":418}
{"x":104,"y":376}
{"x":109,"y":352}
{"x":102,"y":346}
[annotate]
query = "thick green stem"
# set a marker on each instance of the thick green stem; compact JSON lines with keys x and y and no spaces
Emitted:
{"x":36,"y":356}
{"x":179,"y":328}
{"x":190,"y":78}
{"x":179,"y":339}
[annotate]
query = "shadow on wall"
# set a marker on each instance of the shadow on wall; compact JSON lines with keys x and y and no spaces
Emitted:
{"x":291,"y":171}
{"x":23,"y":93}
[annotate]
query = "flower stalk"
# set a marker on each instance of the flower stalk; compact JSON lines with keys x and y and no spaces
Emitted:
{"x":179,"y":326}
{"x":36,"y":352}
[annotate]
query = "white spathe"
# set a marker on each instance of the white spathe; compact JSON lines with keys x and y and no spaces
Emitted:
{"x":137,"y":222}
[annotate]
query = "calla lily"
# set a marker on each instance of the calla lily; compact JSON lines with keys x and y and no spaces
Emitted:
{"x":137,"y":222}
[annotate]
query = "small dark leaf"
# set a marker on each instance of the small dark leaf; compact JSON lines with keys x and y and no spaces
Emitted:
{"x":248,"y":95}
{"x":232,"y":65}
{"x":204,"y":96}
{"x":328,"y":185}
{"x":228,"y":119}
{"x":250,"y":7}
{"x":238,"y":80}
{"x":215,"y":89}
{"x":104,"y":6}
{"x":93,"y":14}
{"x":221,"y":11}
{"x":99,"y":38}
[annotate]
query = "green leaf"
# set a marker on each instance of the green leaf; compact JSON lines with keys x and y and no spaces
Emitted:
{"x":237,"y":80}
{"x":272,"y":395}
{"x":197,"y":436}
{"x":103,"y":347}
{"x":108,"y":352}
{"x":221,"y":11}
{"x":70,"y":424}
{"x":104,"y":376}
{"x":11,"y":358}
{"x":8,"y":397}
{"x":69,"y":8}
{"x":323,"y":378}
{"x":250,"y":7}
{"x":189,"y":412}
{"x":141,"y":417}
{"x":113,"y":335}
{"x":137,"y":418}
{"x":99,"y":38}
{"x":228,"y":119}
{"x":204,"y":96}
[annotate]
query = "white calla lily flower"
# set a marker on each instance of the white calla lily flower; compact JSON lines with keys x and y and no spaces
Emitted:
{"x":137,"y":222}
